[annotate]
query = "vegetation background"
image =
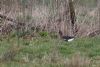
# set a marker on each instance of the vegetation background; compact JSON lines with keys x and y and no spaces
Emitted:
{"x":29,"y":33}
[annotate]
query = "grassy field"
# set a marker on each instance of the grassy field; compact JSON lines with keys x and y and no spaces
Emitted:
{"x":49,"y":52}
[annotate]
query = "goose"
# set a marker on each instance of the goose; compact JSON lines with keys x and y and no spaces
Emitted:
{"x":66,"y":38}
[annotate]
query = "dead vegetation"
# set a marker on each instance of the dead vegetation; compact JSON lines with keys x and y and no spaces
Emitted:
{"x":52,"y":16}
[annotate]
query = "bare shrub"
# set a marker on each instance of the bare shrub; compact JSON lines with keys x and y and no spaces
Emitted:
{"x":87,"y":20}
{"x":43,"y":16}
{"x":52,"y":15}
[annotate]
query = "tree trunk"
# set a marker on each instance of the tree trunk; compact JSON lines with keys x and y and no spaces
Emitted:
{"x":68,"y":18}
{"x":98,"y":4}
{"x":72,"y":17}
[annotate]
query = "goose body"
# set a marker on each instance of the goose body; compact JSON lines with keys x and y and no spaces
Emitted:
{"x":66,"y":38}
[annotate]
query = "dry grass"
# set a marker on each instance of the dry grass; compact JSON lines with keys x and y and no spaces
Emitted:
{"x":10,"y":54}
{"x":74,"y":61}
{"x":78,"y":61}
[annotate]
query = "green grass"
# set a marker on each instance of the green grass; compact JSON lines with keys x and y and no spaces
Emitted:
{"x":48,"y":52}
